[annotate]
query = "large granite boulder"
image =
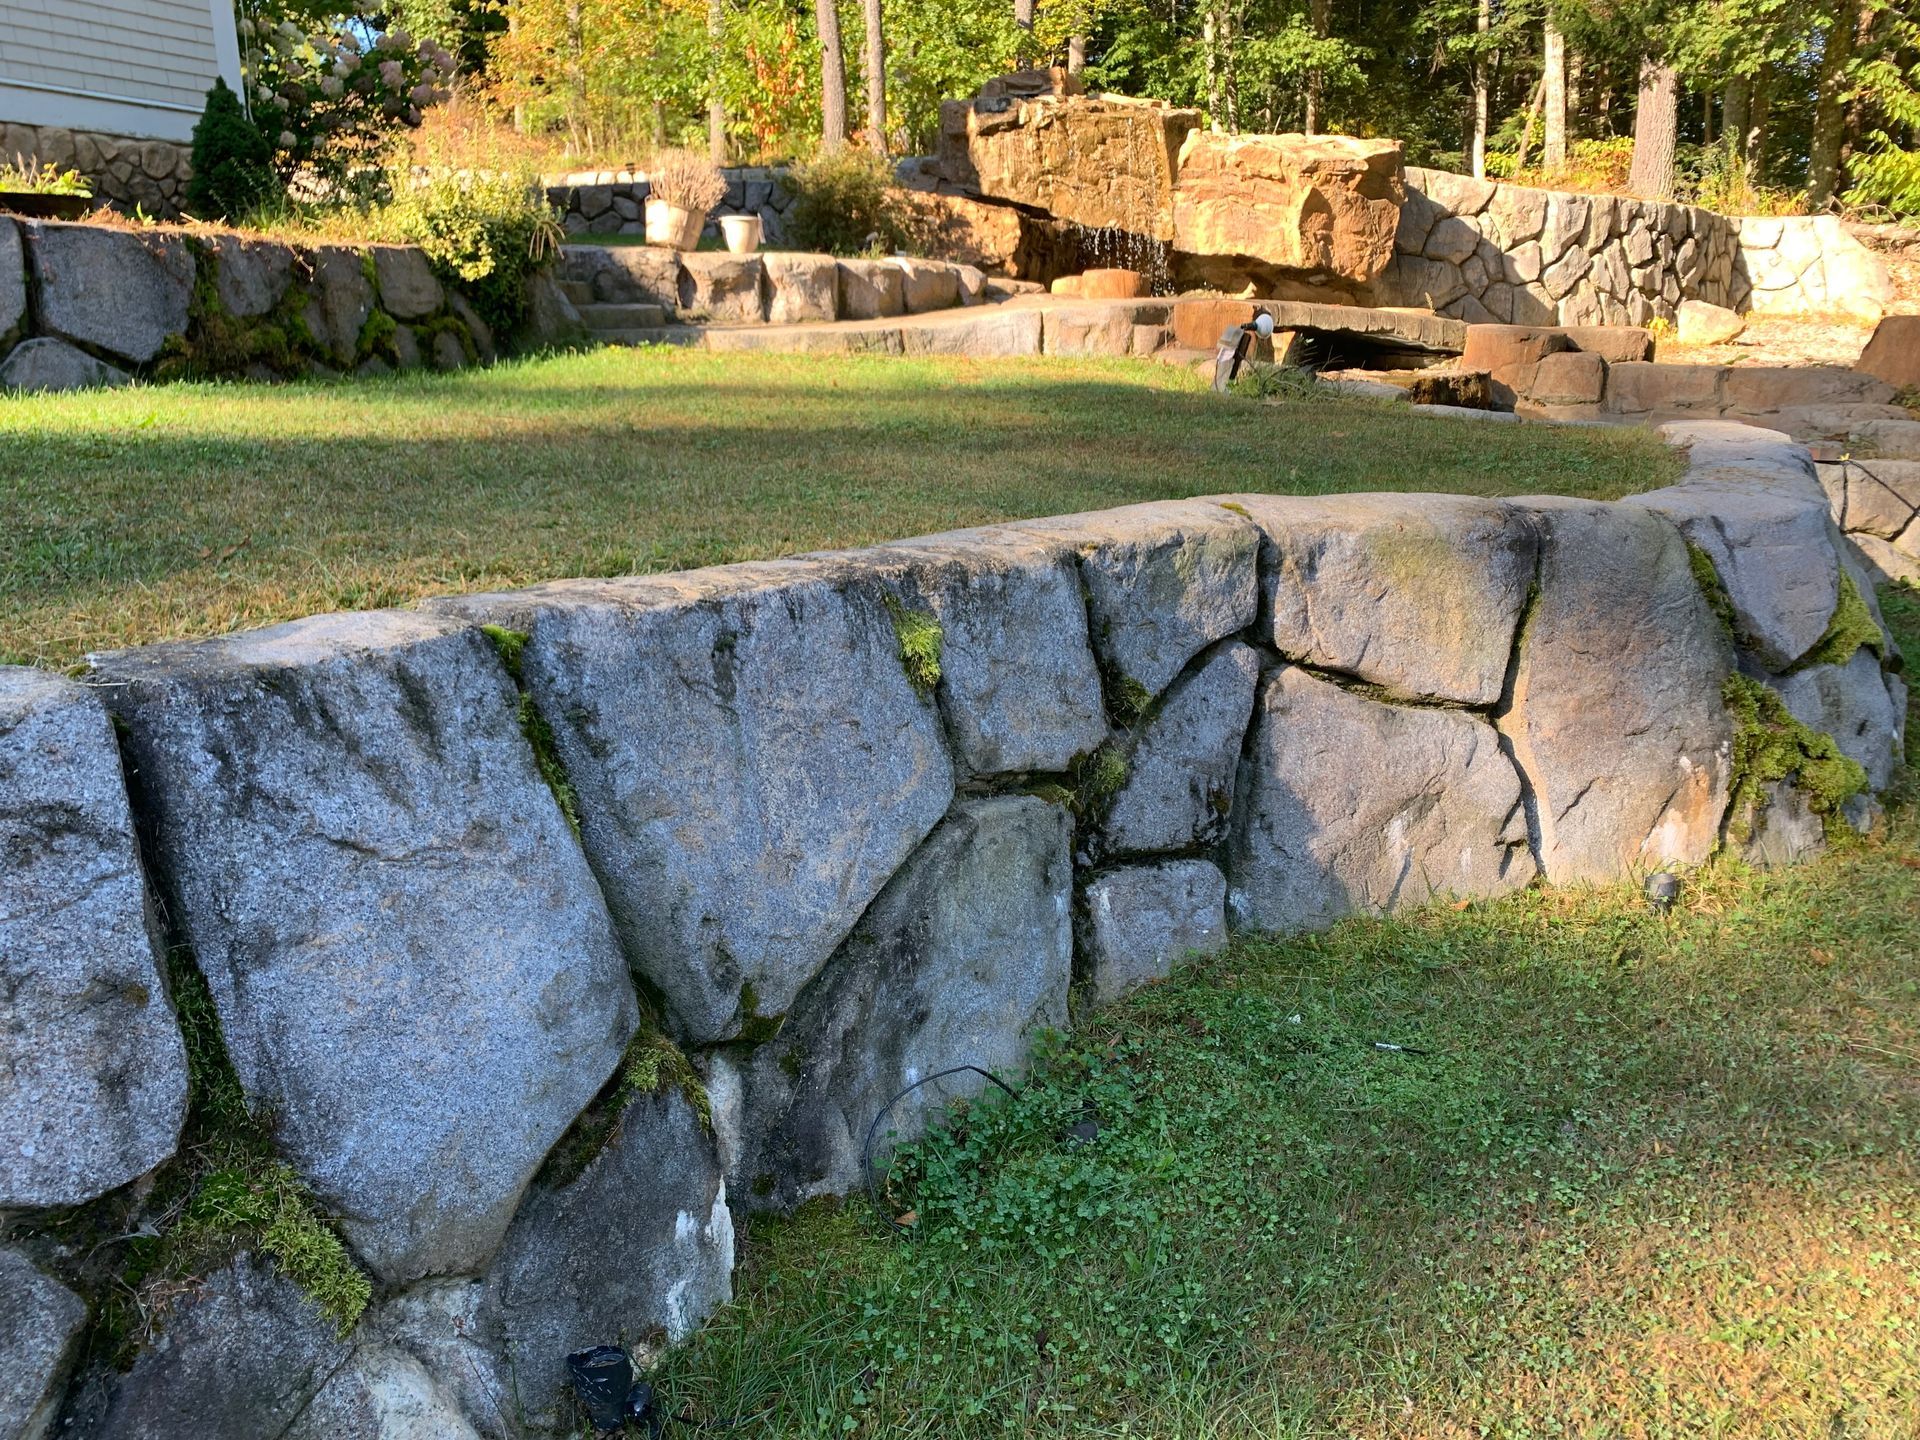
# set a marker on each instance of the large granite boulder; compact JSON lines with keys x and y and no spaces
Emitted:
{"x":40,"y":1325}
{"x":1138,"y":921}
{"x":250,"y":277}
{"x":381,"y":1393}
{"x":1017,"y":685}
{"x":752,"y":760}
{"x":1615,"y":713}
{"x":1852,"y":703}
{"x":722,"y":287}
{"x":413,"y":968}
{"x":95,"y":1074}
{"x":965,"y":954}
{"x":1321,"y":203}
{"x":1105,"y":163}
{"x":1163,"y":582}
{"x":408,"y":288}
{"x":13,"y":281}
{"x":635,"y":1250}
{"x":1180,"y":771}
{"x":121,"y":291}
{"x":50,"y":364}
{"x":801,"y":287}
{"x":238,"y":1356}
{"x":341,"y":301}
{"x":1350,"y":806}
{"x":1419,"y":594}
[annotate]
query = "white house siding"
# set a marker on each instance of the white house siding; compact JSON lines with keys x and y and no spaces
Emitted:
{"x":123,"y":67}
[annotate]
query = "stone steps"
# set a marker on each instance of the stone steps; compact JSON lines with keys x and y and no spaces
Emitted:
{"x":692,"y":335}
{"x":606,"y":317}
{"x":580,"y":292}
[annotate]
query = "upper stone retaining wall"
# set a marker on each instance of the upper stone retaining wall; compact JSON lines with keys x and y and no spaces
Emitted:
{"x":418,"y":863}
{"x":1495,"y":253}
{"x":150,"y":175}
{"x":613,"y":202}
{"x":97,"y":305}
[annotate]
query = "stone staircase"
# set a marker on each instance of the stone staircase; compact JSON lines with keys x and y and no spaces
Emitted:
{"x":627,"y":322}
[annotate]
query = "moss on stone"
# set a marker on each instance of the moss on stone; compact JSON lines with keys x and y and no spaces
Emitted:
{"x":920,"y":641}
{"x":377,"y":336}
{"x":1097,"y":777}
{"x":510,"y":646}
{"x":1707,"y":576}
{"x":1770,"y":746}
{"x":1852,"y":629}
{"x":1128,"y":701}
{"x":652,"y":1065}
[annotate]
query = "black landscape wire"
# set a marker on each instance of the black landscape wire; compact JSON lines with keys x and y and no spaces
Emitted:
{"x":866,"y":1148}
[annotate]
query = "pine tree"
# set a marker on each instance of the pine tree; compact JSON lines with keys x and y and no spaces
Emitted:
{"x":232,"y":160}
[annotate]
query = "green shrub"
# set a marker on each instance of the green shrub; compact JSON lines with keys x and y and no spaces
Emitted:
{"x":486,"y":233}
{"x":846,"y":204}
{"x":232,"y":160}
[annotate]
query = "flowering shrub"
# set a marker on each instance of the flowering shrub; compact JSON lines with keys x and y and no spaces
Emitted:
{"x":333,"y":106}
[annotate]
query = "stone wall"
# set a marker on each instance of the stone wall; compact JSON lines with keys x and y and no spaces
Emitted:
{"x":612,"y":202}
{"x":88,"y":304}
{"x":151,"y":175}
{"x":1505,"y":254}
{"x":849,"y":819}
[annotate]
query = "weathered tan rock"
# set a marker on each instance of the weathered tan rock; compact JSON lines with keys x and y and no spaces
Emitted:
{"x":722,"y":286}
{"x":1892,"y":355}
{"x":1103,"y":283}
{"x":871,"y":290}
{"x":1571,"y":377}
{"x":1615,"y":713}
{"x":801,"y":287}
{"x":1350,"y":806}
{"x":1322,"y":203}
{"x":1103,"y":163}
{"x":1705,"y":324}
{"x":968,"y":231}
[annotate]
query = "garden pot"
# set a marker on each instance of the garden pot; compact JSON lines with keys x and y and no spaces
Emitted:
{"x":45,"y":207}
{"x":742,"y":233}
{"x":673,"y":226}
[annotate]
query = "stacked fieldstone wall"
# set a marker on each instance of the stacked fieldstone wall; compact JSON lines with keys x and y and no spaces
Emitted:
{"x":148,"y":175}
{"x":848,"y":820}
{"x":98,"y":305}
{"x":613,"y":202}
{"x":1494,"y":253}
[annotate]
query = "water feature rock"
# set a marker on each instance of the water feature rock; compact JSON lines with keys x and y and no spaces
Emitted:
{"x":1140,"y":920}
{"x":96,"y":1076}
{"x":635,"y":1250}
{"x":1350,"y":806}
{"x":121,"y":291}
{"x":1851,"y":703}
{"x":1163,"y":582}
{"x":1615,"y":713}
{"x":1324,"y":204}
{"x":1180,"y":771}
{"x":1105,"y":163}
{"x":40,"y":1325}
{"x":411,"y":961}
{"x":752,"y":763}
{"x":1420,"y":595}
{"x":1018,"y":687}
{"x":967,"y":951}
{"x":239,"y":1356}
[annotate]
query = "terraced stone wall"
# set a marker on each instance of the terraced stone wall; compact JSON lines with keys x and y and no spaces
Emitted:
{"x":493,"y":955}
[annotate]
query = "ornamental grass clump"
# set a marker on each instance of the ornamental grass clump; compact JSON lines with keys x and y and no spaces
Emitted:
{"x":682,"y":179}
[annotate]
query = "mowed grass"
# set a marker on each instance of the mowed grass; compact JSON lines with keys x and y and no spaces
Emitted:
{"x":1635,"y":1175}
{"x":155,"y":512}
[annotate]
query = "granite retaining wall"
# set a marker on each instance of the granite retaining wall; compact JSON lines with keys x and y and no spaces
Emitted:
{"x":848,"y":819}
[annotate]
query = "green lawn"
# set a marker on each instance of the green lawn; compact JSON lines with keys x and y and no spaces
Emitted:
{"x":1644,"y":1177}
{"x":146,"y":513}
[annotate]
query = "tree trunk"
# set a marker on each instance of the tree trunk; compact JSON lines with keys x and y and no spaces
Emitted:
{"x":1554,"y":143}
{"x":876,"y":78}
{"x":1023,"y":17}
{"x":716,"y":107}
{"x":1736,"y":106}
{"x":1758,"y":109}
{"x":1076,"y":54}
{"x":1656,"y":127}
{"x":1477,"y":145}
{"x":1830,"y":108}
{"x":1526,"y":129}
{"x":1320,"y":12}
{"x":577,"y":122}
{"x":833,"y":76}
{"x":1211,"y":52}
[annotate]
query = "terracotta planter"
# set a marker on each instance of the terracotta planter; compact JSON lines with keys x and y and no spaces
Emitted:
{"x":672,"y":226}
{"x":742,"y":233}
{"x":45,"y":207}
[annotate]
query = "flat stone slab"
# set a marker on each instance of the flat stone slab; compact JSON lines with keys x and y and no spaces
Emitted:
{"x":40,"y":1325}
{"x":1417,"y":593}
{"x":1615,"y":715}
{"x":965,"y":954}
{"x":752,"y":762}
{"x":1141,"y":920}
{"x":95,"y":1074}
{"x":1180,"y":769}
{"x":411,"y":961}
{"x":1349,"y":806}
{"x":1163,"y":581}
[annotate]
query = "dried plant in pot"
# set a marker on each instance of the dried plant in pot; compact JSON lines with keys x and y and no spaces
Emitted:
{"x":681,"y":189}
{"x":44,"y":192}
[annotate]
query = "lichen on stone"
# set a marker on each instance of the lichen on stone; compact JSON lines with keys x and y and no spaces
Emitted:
{"x":1769,"y":746}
